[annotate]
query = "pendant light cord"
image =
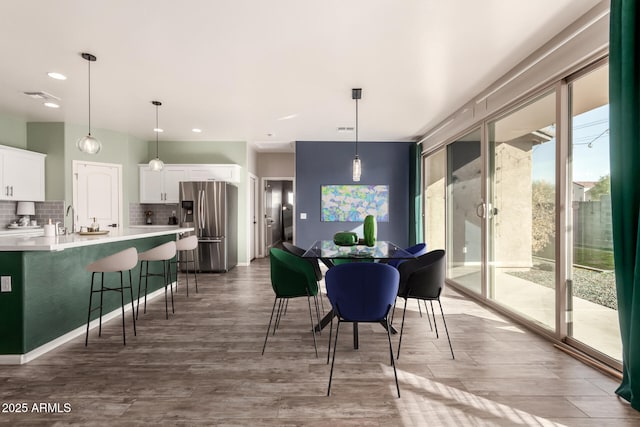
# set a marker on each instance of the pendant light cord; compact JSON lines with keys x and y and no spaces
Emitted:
{"x":157,"y":131}
{"x":89,"y":64}
{"x":356,"y":127}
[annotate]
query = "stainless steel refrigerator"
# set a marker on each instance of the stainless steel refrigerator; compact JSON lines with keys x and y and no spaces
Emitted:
{"x":211,"y":208}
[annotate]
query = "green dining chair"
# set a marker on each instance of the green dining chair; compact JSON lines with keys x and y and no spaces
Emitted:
{"x":291,"y":277}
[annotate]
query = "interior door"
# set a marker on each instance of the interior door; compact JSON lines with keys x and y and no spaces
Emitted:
{"x":97,"y":193}
{"x":253,"y":216}
{"x":268,"y":217}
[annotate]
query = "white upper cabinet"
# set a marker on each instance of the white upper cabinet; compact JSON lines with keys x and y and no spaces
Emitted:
{"x":162,"y":186}
{"x":21,"y":175}
{"x":228,"y":173}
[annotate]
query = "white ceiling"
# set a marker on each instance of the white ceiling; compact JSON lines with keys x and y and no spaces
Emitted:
{"x":238,"y":69}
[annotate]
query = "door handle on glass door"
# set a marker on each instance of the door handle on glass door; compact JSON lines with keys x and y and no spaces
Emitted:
{"x":481,"y":210}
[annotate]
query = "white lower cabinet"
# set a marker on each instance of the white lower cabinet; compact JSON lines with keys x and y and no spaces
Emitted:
{"x":21,"y":175}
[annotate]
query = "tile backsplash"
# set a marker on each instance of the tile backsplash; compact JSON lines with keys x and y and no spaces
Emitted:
{"x":161,"y":213}
{"x":53,"y":210}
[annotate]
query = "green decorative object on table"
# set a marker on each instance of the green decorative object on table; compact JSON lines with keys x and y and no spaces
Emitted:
{"x":370,"y":230}
{"x":345,"y":238}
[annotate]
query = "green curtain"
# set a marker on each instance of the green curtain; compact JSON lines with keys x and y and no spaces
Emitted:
{"x":624,"y":100}
{"x":415,"y":195}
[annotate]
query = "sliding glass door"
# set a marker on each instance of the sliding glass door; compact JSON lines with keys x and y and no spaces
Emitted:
{"x":464,"y":220}
{"x":522,"y":207}
{"x":435,"y":169}
{"x":521,"y":210}
{"x":592,"y":292}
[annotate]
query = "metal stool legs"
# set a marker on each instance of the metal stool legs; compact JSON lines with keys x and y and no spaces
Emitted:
{"x":102,"y":290}
{"x":166,"y":275}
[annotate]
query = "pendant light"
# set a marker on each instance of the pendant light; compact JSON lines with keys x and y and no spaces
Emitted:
{"x":156,"y":164}
{"x":89,"y":144}
{"x":357,"y":166}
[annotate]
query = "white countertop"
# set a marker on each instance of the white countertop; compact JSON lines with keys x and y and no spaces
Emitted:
{"x":31,"y":242}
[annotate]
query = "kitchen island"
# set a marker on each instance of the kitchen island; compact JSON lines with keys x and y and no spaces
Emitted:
{"x":49,"y":287}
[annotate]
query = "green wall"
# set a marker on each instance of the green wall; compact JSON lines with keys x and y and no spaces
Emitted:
{"x":222,"y":152}
{"x":117,"y":148}
{"x":48,"y":138}
{"x":13,"y":131}
{"x":58,"y":142}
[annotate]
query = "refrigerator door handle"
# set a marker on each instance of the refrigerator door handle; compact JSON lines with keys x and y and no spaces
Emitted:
{"x":201,"y":208}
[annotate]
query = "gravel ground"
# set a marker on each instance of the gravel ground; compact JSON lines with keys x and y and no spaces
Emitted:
{"x":595,"y":286}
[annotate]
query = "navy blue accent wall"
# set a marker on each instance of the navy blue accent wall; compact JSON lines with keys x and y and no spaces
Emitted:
{"x":322,"y":163}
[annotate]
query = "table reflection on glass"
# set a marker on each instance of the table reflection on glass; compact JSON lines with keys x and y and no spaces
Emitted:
{"x":382,"y":250}
{"x":330,"y":253}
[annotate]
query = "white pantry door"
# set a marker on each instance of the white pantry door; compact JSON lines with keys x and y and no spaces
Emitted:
{"x":97,"y":193}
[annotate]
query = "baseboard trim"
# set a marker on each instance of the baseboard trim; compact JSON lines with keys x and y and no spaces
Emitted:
{"x":20,"y":359}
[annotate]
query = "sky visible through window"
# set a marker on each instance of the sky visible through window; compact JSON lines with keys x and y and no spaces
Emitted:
{"x":590,"y":149}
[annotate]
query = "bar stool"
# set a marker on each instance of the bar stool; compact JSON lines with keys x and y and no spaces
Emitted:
{"x":182,"y":246}
{"x":118,"y":262}
{"x":164,"y":253}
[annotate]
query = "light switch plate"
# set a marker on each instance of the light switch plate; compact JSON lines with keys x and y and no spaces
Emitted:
{"x":5,"y":284}
{"x":303,"y":215}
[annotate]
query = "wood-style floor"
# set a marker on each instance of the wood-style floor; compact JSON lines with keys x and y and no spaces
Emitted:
{"x":203,"y":367}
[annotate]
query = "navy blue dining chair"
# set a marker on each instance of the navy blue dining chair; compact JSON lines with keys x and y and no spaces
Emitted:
{"x":416,"y":250}
{"x":361,"y":293}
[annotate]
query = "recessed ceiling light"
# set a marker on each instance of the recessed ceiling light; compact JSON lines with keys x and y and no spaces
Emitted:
{"x":158,"y":130}
{"x":51,"y":105}
{"x":57,"y":76}
{"x":196,"y":130}
{"x":289,"y":117}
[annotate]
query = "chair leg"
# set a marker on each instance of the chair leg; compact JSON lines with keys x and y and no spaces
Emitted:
{"x":269,"y":325}
{"x":101,"y":294}
{"x":195,"y":275}
{"x":173,"y":310}
{"x":402,"y":327}
{"x":166,"y":300}
{"x":427,"y":311}
{"x":333,"y":360}
{"x":434,"y":318}
{"x":186,"y":273}
{"x":446,"y":330}
{"x":124,"y":338}
{"x":393,"y":310}
{"x":420,"y":309}
{"x":133,"y":311}
{"x":86,"y":337}
{"x":139,"y":288}
{"x":278,"y":315}
{"x":393,"y":363}
{"x":315,"y":301}
{"x":329,"y":346}
{"x":313,"y":329}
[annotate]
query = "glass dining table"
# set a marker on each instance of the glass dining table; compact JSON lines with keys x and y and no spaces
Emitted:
{"x":331,"y":254}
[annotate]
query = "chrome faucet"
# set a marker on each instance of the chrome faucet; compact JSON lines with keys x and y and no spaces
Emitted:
{"x":73,"y":219}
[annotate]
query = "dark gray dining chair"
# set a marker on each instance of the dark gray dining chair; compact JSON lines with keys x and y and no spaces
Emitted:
{"x":423,"y":279}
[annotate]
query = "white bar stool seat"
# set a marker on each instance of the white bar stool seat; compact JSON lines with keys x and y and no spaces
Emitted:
{"x":116,"y":263}
{"x":186,"y":245}
{"x":164,"y":253}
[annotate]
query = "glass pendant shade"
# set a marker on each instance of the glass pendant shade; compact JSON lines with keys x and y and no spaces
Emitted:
{"x":357,"y":169}
{"x":156,"y":164}
{"x":88,"y":144}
